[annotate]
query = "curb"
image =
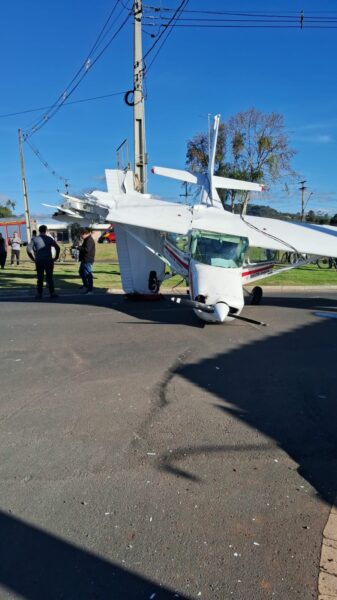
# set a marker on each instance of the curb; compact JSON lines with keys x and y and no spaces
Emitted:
{"x":175,"y":290}
{"x":327,"y":580}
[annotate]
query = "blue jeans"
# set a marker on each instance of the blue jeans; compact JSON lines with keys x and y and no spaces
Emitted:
{"x":85,"y":272}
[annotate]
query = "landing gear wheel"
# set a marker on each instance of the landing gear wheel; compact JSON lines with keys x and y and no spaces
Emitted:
{"x":257,"y":294}
{"x":154,"y":284}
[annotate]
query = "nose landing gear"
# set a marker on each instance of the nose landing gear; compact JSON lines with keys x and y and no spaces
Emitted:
{"x":255,"y":295}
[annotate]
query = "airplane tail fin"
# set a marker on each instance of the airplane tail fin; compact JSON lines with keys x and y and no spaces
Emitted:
{"x":213,"y":145}
{"x":209,"y":181}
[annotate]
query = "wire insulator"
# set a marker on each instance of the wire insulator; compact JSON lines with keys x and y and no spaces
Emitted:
{"x":127,"y":96}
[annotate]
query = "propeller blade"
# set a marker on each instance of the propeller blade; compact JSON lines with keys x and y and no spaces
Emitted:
{"x":247,"y":320}
{"x":208,"y":308}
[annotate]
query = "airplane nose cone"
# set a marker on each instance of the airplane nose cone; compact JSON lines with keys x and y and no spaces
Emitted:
{"x":221,"y":311}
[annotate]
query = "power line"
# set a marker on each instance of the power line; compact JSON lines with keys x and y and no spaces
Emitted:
{"x":30,"y":110}
{"x":263,"y":19}
{"x":248,"y":25}
{"x":88,"y":58}
{"x":289,"y":19}
{"x":251,"y":13}
{"x":181,"y":7}
{"x":64,"y":97}
{"x":46,"y":164}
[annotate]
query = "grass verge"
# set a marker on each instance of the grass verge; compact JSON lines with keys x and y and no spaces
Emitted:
{"x":106,"y":274}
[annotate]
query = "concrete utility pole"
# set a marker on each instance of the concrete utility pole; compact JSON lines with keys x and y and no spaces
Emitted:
{"x":138,"y":98}
{"x":24,"y":187}
{"x":302,"y":189}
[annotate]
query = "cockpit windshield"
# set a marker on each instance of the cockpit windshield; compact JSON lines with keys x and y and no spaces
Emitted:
{"x":218,"y":250}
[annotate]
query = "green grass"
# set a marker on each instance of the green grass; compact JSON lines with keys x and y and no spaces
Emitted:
{"x":306,"y":275}
{"x":106,"y":274}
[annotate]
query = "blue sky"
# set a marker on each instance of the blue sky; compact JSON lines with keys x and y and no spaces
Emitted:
{"x":198,"y":71}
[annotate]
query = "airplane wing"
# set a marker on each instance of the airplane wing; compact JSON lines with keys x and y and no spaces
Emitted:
{"x":152,"y":214}
{"x":273,"y":234}
{"x":303,"y":238}
{"x":64,"y":210}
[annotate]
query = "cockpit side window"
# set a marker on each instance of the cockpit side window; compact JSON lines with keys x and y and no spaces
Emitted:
{"x":178,"y":240}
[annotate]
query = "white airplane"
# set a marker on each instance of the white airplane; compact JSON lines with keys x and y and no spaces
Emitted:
{"x":203,"y":243}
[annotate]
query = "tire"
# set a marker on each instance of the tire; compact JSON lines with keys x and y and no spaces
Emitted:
{"x":324,"y":263}
{"x":154,"y":284}
{"x":257,"y":294}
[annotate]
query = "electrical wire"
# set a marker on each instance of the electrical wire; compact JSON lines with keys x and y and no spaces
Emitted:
{"x":88,"y":56}
{"x":231,"y":12}
{"x":251,"y":26}
{"x":46,"y":164}
{"x":204,"y":18}
{"x":178,"y":12}
{"x":181,"y":7}
{"x":64,"y":97}
{"x":30,"y":110}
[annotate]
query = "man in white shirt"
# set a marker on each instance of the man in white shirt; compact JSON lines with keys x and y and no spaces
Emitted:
{"x":15,"y":246}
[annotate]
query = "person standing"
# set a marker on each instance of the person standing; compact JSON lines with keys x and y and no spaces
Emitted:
{"x":40,"y":251}
{"x":15,"y":245}
{"x":87,"y":259}
{"x":3,"y":251}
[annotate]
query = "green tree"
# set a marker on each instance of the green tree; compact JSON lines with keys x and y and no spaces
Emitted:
{"x":310,"y":217}
{"x":252,"y":146}
{"x":6,"y":209}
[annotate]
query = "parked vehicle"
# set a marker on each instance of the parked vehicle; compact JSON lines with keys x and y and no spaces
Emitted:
{"x":108,"y":237}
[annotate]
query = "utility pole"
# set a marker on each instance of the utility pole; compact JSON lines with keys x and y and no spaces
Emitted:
{"x":302,"y":190}
{"x":138,"y":101}
{"x":24,"y":187}
{"x":186,"y":194}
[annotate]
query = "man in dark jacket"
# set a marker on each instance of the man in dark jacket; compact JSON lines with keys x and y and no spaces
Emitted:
{"x":3,"y":251}
{"x":87,"y":258}
{"x":40,"y":251}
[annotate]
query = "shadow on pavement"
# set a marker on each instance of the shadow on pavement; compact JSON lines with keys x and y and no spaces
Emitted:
{"x":39,"y":566}
{"x":285,"y":386}
{"x":161,"y":311}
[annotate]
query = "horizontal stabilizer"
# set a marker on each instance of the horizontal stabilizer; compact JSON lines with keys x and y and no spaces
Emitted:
{"x":225,"y":183}
{"x":186,"y":176}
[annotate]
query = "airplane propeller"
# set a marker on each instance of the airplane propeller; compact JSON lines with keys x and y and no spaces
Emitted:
{"x":210,"y":308}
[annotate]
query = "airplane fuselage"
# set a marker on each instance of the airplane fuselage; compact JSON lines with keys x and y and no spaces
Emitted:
{"x":215,"y":269}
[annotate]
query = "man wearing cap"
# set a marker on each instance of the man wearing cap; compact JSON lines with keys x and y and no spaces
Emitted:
{"x":87,"y":258}
{"x":40,"y":251}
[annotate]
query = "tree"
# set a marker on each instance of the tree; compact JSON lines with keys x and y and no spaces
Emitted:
{"x":252,"y":145}
{"x":310,"y":217}
{"x":6,"y":209}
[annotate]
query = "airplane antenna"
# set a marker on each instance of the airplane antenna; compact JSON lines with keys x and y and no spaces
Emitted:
{"x":138,"y":101}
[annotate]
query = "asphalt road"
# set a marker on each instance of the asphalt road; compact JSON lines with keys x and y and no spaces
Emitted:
{"x":146,"y":457}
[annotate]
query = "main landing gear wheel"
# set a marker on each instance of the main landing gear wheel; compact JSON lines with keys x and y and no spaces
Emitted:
{"x":154,"y":284}
{"x":256,"y":295}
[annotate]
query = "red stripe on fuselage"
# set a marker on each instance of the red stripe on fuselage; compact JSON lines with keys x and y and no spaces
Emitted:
{"x":258,"y":270}
{"x":177,"y":258}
